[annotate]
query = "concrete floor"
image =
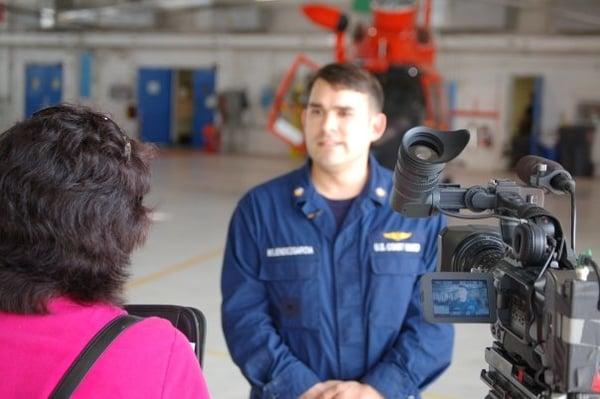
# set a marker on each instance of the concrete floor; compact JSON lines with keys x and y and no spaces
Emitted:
{"x":194,"y":195}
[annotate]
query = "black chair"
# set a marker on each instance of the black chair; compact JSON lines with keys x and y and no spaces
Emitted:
{"x":190,"y":321}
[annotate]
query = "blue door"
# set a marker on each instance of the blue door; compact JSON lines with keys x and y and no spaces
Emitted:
{"x":43,"y":86}
{"x":205,"y":102}
{"x":536,"y":118}
{"x":154,"y":99}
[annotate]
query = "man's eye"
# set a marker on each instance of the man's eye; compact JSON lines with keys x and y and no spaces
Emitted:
{"x":345,"y":113}
{"x":315,"y":111}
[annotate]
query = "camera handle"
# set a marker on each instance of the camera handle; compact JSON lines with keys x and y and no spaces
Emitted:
{"x":537,"y":236}
{"x":529,"y":229}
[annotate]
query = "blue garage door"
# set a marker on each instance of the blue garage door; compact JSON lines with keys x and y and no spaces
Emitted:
{"x":43,"y":86}
{"x":204,"y":103}
{"x":536,"y":126}
{"x":154,"y":99}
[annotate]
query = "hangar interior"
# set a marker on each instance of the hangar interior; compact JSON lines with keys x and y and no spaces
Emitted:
{"x":206,"y":72}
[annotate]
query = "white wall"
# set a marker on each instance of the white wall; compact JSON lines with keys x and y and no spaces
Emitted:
{"x":481,"y":87}
{"x":484,"y":82}
{"x":110,"y":68}
{"x":468,"y":15}
{"x":14,"y":65}
{"x":249,"y":69}
{"x":240,"y":62}
{"x":5,"y":112}
{"x":482,"y":67}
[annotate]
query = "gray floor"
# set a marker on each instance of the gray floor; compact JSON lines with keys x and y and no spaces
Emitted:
{"x":193,"y":197}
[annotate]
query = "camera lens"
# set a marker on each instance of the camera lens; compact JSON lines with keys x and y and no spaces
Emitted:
{"x":423,"y":151}
{"x":470,"y":248}
{"x":478,"y":252}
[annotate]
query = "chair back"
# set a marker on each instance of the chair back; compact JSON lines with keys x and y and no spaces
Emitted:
{"x":190,"y":321}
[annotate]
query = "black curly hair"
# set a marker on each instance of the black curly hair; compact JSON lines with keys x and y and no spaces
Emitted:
{"x":72,"y":186}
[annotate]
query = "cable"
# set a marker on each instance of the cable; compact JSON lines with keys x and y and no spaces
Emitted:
{"x":531,"y":298}
{"x":588,"y":259}
{"x":573,"y":220}
{"x":540,"y":381}
{"x":595,"y":266}
{"x":546,"y":264}
{"x":561,"y":249}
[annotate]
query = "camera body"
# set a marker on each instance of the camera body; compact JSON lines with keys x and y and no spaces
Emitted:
{"x":545,"y":330}
{"x":521,"y":277}
{"x":546,"y":334}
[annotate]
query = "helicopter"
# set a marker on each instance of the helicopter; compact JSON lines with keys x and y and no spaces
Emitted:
{"x":399,"y":52}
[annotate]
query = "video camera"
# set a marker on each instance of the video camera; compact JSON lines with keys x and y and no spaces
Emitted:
{"x":541,"y":300}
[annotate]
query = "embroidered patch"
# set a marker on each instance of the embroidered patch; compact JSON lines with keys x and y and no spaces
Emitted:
{"x":290,"y":251}
{"x":397,"y":235}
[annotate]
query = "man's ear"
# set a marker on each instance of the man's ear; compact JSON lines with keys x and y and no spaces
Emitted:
{"x":378,"y":124}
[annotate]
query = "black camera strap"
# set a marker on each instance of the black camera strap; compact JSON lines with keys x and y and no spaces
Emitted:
{"x":88,"y":356}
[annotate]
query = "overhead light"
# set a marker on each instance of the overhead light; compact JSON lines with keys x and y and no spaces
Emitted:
{"x":181,"y":4}
{"x":79,"y":16}
{"x":47,"y":18}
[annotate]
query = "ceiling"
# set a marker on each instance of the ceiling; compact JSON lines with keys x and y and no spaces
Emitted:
{"x":520,"y":16}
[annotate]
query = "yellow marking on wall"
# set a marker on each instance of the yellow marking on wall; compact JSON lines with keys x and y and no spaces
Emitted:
{"x":175,"y":268}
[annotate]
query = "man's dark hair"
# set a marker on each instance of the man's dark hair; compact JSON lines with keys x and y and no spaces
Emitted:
{"x":71,"y":191}
{"x":350,"y":76}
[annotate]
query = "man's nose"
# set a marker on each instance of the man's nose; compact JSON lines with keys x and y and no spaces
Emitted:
{"x":330,"y":122}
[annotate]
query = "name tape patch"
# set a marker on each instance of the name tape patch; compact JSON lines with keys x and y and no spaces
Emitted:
{"x":290,"y":251}
{"x":397,"y":247}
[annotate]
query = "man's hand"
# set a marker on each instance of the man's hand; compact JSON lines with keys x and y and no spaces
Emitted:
{"x":314,"y":391}
{"x":349,"y":390}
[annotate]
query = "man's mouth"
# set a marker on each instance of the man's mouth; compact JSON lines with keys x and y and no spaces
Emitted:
{"x":329,"y":143}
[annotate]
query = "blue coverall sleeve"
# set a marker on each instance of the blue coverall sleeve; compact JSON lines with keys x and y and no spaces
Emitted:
{"x":422,"y":350}
{"x":254,"y":343}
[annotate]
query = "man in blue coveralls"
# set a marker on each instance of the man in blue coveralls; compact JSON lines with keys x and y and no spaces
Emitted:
{"x":464,"y":304}
{"x":320,"y":277}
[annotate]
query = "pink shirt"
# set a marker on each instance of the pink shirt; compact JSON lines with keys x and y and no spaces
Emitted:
{"x":151,"y":359}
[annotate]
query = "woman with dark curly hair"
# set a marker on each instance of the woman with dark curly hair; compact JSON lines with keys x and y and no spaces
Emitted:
{"x":72,"y":186}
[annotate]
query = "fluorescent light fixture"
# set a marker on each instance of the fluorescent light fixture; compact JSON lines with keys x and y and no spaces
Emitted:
{"x":79,"y":16}
{"x":181,"y":4}
{"x":47,"y":18}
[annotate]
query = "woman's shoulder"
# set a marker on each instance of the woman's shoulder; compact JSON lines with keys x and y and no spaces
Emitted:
{"x":149,"y":359}
{"x":155,"y":328}
{"x":165,"y":346}
{"x":159,"y":336}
